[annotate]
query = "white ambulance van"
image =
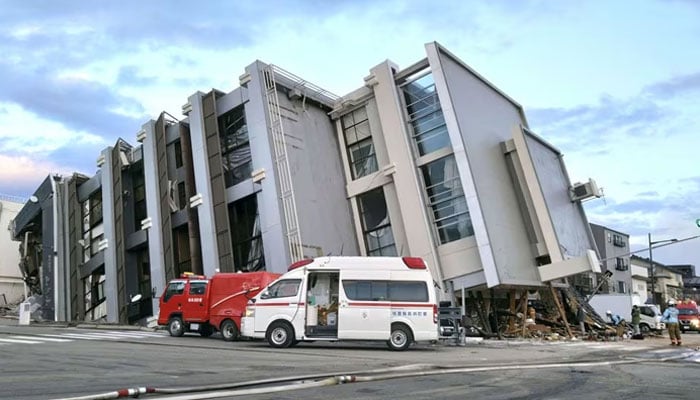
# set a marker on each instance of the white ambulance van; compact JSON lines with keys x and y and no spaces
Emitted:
{"x":346,"y":298}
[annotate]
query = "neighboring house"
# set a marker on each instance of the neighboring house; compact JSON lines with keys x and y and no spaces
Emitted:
{"x":670,"y":283}
{"x":431,"y":160}
{"x":691,"y":282}
{"x":12,"y":289}
{"x":614,"y":252}
{"x":640,"y":278}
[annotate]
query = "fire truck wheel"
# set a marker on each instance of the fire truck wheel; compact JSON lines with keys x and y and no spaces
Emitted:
{"x":229,"y":330}
{"x":175,"y":326}
{"x":280,"y":334}
{"x":401,"y":337}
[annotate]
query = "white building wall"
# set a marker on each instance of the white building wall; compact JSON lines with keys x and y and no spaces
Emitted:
{"x":11,"y":283}
{"x":479,"y":118}
{"x":639,"y":280}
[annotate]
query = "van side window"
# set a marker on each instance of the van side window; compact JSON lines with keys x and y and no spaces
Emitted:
{"x":386,"y":290}
{"x":408,"y":291}
{"x":173,"y":289}
{"x":284,"y":288}
{"x":198,"y":287}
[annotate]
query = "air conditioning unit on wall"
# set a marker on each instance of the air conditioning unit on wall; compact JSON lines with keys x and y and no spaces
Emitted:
{"x":582,"y":191}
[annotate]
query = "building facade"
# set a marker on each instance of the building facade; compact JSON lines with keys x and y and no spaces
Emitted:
{"x":614,"y":251}
{"x":12,"y":288}
{"x":431,"y":160}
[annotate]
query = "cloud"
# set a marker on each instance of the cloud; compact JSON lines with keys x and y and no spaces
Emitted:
{"x":77,"y":104}
{"x":21,"y":175}
{"x":676,"y":86}
{"x":25,"y":133}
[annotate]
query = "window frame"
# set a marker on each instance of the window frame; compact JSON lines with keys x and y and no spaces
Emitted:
{"x":358,"y":143}
{"x":389,"y":287}
{"x":380,"y":250}
{"x":235,"y":144}
{"x":439,"y":130}
{"x":437,"y":204}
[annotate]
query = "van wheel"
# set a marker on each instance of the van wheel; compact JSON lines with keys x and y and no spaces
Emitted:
{"x":644,"y":328}
{"x":401,"y":337}
{"x":175,"y":327}
{"x":280,"y":334}
{"x":229,"y":330}
{"x":206,"y":330}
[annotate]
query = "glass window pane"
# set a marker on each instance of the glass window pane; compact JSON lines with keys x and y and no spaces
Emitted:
{"x":374,"y":216}
{"x":425,"y":115}
{"x":360,"y":115}
{"x":285,"y":288}
{"x":446,"y":198}
{"x":373,"y":209}
{"x":363,"y":159}
{"x":348,"y":120}
{"x":350,"y":136}
{"x":362,"y":130}
{"x":408,"y":291}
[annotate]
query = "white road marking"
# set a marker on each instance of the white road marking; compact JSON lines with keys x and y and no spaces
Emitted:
{"x":44,"y":339}
{"x":19,"y":341}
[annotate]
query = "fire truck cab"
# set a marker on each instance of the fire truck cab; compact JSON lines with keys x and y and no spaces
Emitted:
{"x":194,"y":303}
{"x":688,"y":315}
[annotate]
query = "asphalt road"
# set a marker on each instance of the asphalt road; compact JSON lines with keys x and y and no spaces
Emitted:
{"x":50,"y":362}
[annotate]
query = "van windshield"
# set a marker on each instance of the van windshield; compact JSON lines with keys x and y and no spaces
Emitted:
{"x":687,"y":311}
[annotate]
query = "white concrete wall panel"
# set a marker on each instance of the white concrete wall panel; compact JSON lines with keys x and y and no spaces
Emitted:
{"x":318,"y":178}
{"x":484,"y":118}
{"x":275,"y":246}
{"x":11,"y":284}
{"x":569,"y":221}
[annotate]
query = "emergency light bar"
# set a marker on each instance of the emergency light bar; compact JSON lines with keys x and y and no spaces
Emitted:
{"x":191,"y":275}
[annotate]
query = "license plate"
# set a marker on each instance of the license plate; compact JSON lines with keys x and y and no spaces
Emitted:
{"x":194,"y":327}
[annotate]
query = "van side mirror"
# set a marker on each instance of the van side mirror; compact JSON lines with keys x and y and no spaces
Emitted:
{"x":265,"y":295}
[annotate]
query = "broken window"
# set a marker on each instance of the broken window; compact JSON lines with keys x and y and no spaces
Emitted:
{"x":358,"y":139}
{"x":246,"y":235}
{"x":235,"y":146}
{"x":140,"y":212}
{"x":446,"y":199}
{"x":95,"y":304}
{"x":425,"y":118}
{"x":376,"y":227}
{"x":183,"y":260}
{"x":93,"y":231}
{"x":178,"y":154}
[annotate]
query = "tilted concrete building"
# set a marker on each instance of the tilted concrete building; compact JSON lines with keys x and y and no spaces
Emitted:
{"x":431,"y":160}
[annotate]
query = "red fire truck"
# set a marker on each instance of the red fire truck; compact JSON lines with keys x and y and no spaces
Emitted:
{"x":194,"y":303}
{"x":688,"y":315}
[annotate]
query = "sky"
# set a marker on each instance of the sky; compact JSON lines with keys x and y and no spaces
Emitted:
{"x":614,"y":85}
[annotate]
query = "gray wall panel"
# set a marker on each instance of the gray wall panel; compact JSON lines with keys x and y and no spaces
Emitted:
{"x":486,"y":118}
{"x":325,"y":219}
{"x":570,"y":223}
{"x":274,"y":243}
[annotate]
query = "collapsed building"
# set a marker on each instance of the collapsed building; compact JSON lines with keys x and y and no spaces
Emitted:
{"x":431,"y":160}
